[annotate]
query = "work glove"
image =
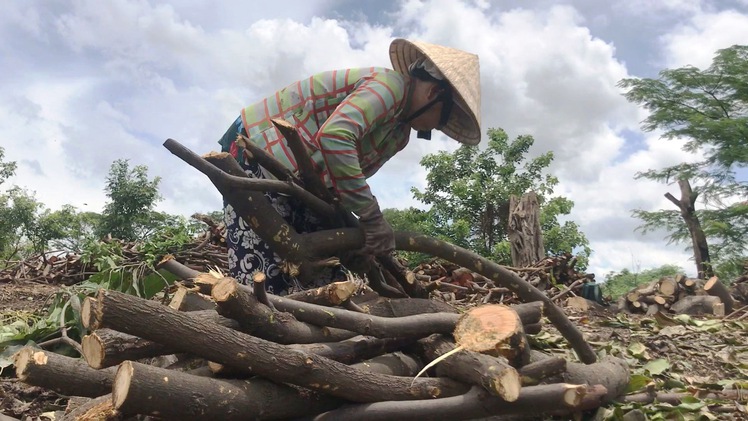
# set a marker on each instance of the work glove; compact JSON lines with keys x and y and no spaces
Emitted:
{"x":380,"y":238}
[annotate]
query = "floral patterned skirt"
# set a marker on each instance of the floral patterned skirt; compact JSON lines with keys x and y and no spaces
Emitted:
{"x":249,"y":254}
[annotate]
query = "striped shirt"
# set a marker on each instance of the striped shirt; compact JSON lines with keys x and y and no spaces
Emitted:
{"x":348,"y":121}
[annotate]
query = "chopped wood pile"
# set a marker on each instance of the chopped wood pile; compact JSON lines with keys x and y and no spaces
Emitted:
{"x":683,"y":295}
{"x":338,"y":352}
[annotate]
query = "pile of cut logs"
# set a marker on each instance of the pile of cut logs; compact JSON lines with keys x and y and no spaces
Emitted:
{"x":679,"y":294}
{"x":337,"y":352}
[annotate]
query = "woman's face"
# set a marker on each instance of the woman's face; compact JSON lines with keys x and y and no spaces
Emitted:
{"x":423,"y":93}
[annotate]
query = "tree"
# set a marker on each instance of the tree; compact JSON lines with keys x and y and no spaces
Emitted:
{"x":468,"y":192}
{"x":132,"y":197}
{"x":709,"y":109}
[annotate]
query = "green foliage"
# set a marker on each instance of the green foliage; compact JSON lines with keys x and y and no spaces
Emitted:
{"x":18,"y":211}
{"x":619,"y":283}
{"x":469,"y":190}
{"x":132,"y":197}
{"x":709,"y":109}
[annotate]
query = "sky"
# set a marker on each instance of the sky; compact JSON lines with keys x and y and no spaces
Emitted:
{"x":86,"y":82}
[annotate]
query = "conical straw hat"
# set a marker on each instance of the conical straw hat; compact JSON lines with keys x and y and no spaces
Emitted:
{"x":461,"y":70}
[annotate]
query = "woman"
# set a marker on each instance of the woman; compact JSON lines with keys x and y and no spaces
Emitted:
{"x":351,"y":122}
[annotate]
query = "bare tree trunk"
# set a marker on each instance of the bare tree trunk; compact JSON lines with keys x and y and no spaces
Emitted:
{"x":698,"y":238}
{"x":525,"y":235}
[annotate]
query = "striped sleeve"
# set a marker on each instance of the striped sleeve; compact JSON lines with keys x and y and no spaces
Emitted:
{"x":371,"y":102}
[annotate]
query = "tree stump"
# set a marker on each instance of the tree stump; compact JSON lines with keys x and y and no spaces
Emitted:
{"x":524,"y":231}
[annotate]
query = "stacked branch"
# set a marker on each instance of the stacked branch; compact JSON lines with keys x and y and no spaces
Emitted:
{"x":301,"y":380}
{"x":679,"y":294}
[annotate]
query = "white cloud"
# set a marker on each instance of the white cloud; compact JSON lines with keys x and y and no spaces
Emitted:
{"x":695,"y":42}
{"x":93,"y":82}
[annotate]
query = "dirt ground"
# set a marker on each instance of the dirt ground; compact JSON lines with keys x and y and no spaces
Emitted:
{"x":698,"y":356}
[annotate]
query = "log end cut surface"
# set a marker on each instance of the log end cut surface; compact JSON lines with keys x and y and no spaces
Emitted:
{"x":507,"y":385}
{"x":121,"y":384}
{"x":487,"y":329}
{"x":93,"y":350}
{"x":26,"y":357}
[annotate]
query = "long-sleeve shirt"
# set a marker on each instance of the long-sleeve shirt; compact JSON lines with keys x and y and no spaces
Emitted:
{"x":348,"y":121}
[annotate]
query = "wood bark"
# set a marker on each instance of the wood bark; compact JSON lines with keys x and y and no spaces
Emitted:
{"x":331,"y":295}
{"x":273,"y":361}
{"x":355,"y":349}
{"x":610,"y":372}
{"x":147,"y":390}
{"x":686,"y":204}
{"x":695,"y":305}
{"x":524,"y":231}
{"x":237,"y":302}
{"x":477,"y":403}
{"x":106,"y":347}
{"x":65,"y":375}
{"x":717,"y":289}
{"x":538,"y":371}
{"x":493,"y":374}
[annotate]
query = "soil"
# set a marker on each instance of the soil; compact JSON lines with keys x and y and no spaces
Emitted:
{"x":696,"y":355}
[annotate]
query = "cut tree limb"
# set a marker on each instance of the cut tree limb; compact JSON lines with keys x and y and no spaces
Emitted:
{"x":65,"y":375}
{"x":538,"y":371}
{"x":107,"y":347}
{"x":97,"y":409}
{"x":237,"y":302}
{"x":695,"y":305}
{"x":493,"y":374}
{"x":147,"y":390}
{"x":273,"y":361}
{"x":477,"y":403}
{"x":714,"y":287}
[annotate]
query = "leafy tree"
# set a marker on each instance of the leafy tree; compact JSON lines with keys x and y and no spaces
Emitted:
{"x":468,"y":192}
{"x":619,"y":283}
{"x":7,"y":169}
{"x":132,"y":196}
{"x":709,"y":109}
{"x":18,"y":210}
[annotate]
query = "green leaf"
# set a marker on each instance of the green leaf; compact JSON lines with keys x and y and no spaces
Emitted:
{"x":657,"y":367}
{"x":637,"y":382}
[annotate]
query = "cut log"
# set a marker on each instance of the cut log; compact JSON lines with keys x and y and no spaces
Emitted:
{"x":186,"y":299}
{"x":330,"y":295}
{"x":668,"y":286}
{"x":477,"y":403}
{"x":275,"y":362}
{"x":717,"y":289}
{"x":65,"y":375}
{"x":493,"y":329}
{"x":492,"y":373}
{"x":147,"y":390}
{"x":695,"y":305}
{"x":106,"y":347}
{"x":237,"y":302}
{"x":98,"y":409}
{"x":538,"y":371}
{"x":610,"y":372}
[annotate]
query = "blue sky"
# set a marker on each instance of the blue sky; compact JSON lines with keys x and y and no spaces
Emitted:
{"x":87,"y":82}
